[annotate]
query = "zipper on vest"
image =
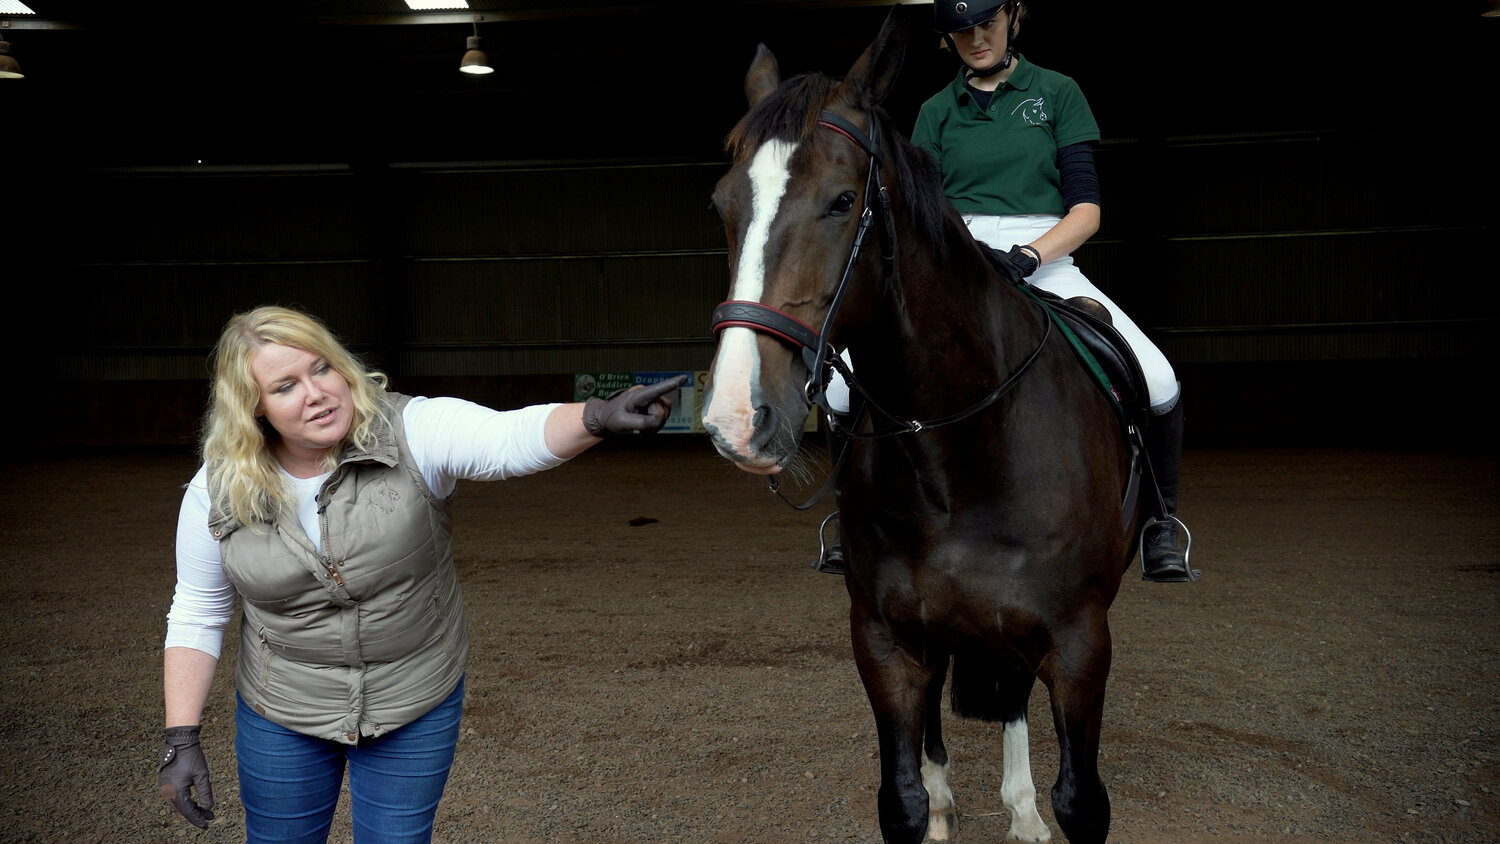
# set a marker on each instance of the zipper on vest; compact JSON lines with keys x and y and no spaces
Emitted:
{"x":328,"y":560}
{"x":326,"y":497}
{"x":325,"y":560}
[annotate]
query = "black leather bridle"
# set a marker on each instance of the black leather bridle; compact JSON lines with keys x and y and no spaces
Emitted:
{"x":817,"y":354}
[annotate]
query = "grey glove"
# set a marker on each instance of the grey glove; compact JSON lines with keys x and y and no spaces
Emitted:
{"x":183,"y":768}
{"x":641,"y":409}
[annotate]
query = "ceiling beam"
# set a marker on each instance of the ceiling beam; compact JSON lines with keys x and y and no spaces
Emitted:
{"x":456,"y":16}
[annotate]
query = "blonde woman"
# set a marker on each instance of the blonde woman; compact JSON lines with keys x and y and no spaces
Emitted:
{"x":322,"y":503}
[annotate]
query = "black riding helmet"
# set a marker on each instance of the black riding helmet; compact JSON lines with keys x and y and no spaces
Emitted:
{"x":954,"y":15}
{"x":950,"y":16}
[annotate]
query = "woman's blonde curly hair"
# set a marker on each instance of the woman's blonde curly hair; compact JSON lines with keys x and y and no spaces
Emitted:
{"x":245,"y":481}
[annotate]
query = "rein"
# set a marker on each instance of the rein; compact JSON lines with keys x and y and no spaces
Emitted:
{"x":914,"y":426}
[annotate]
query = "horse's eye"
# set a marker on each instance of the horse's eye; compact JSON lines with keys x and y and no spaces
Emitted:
{"x":843,"y":205}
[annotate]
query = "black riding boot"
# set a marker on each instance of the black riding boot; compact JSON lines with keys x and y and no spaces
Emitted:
{"x":1162,"y":557}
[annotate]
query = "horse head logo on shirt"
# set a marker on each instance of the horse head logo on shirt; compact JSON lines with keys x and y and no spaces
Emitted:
{"x":1031,"y":111}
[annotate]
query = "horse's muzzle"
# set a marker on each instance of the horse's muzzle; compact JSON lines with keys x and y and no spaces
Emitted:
{"x":758,"y":444}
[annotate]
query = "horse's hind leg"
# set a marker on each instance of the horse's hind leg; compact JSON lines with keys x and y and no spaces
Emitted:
{"x":998,"y":688}
{"x":1017,"y":789}
{"x":1076,"y":676}
{"x":942,"y":811}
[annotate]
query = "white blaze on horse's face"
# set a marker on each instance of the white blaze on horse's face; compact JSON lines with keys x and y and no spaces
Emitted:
{"x":769,"y":174}
{"x":731,"y":410}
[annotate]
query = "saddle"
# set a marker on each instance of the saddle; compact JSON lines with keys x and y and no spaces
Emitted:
{"x":1101,"y":349}
{"x":1114,"y":369}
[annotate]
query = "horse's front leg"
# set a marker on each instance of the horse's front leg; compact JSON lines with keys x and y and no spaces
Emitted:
{"x":896,"y":685}
{"x":1075,"y":674}
{"x":942,"y":810}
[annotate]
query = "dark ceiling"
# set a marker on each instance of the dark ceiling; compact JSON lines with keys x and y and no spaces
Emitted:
{"x":339,"y":79}
{"x":119,"y":83}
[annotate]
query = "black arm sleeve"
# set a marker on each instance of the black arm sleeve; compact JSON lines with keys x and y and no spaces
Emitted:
{"x":1080,"y":181}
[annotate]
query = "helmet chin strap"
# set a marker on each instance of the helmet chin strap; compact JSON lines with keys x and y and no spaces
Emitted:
{"x":1002,"y":65}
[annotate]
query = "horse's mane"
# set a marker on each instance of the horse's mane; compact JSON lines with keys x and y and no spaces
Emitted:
{"x":790,"y":113}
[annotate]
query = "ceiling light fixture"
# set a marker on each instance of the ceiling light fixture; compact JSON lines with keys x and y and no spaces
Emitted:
{"x":475,"y":61}
{"x":9,"y":67}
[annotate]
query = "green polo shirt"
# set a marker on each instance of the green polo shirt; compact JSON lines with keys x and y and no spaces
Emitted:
{"x":1003,"y":159}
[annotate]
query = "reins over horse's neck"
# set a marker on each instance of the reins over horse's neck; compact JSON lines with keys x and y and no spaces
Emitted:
{"x":954,"y":332}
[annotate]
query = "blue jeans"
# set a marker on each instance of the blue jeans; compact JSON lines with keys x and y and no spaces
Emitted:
{"x":290,"y":782}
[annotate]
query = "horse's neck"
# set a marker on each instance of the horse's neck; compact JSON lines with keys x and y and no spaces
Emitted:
{"x":954,"y":319}
{"x":959,"y":297}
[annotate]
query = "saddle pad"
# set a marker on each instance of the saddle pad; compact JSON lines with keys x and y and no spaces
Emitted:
{"x":1102,"y":351}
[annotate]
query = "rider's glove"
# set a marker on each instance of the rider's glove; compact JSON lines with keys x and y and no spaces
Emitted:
{"x":1019,"y":262}
{"x":634,"y":409}
{"x":183,"y":768}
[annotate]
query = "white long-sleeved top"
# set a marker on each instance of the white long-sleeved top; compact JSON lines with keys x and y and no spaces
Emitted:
{"x":451,"y":439}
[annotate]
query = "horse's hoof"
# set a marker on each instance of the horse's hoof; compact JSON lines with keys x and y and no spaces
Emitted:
{"x":1035,"y":831}
{"x":941,"y":826}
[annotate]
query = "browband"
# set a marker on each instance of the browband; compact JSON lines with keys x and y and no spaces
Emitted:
{"x":850,"y":131}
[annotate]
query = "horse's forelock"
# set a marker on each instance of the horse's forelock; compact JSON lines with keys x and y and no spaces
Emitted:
{"x":788,"y":114}
{"x":791,"y":112}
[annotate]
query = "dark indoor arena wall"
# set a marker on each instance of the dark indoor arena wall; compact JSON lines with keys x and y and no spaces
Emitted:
{"x":1309,"y":236}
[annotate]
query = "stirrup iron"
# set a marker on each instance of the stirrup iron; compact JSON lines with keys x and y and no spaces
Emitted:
{"x":1192,"y":573}
{"x":823,"y":563}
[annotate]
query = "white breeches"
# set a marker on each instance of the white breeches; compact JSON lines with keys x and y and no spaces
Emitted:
{"x":1062,"y":277}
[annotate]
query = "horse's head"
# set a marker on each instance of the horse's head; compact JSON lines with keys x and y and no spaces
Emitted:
{"x":792,"y":205}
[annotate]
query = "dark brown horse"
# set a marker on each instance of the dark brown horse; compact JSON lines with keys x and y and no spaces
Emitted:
{"x":984,"y":506}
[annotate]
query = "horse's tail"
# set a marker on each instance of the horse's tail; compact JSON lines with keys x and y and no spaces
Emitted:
{"x":989,"y":689}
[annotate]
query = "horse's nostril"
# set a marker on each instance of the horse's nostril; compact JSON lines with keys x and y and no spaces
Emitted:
{"x":763,"y":426}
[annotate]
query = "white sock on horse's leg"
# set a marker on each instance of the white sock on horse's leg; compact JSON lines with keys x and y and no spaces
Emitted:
{"x":940,"y":805}
{"x":1017,"y":789}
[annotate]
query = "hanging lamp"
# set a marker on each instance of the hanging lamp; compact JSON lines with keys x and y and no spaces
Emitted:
{"x":475,"y":61}
{"x":9,"y":67}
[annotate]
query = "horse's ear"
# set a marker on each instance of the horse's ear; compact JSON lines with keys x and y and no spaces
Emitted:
{"x":763,"y":77}
{"x":874,"y":74}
